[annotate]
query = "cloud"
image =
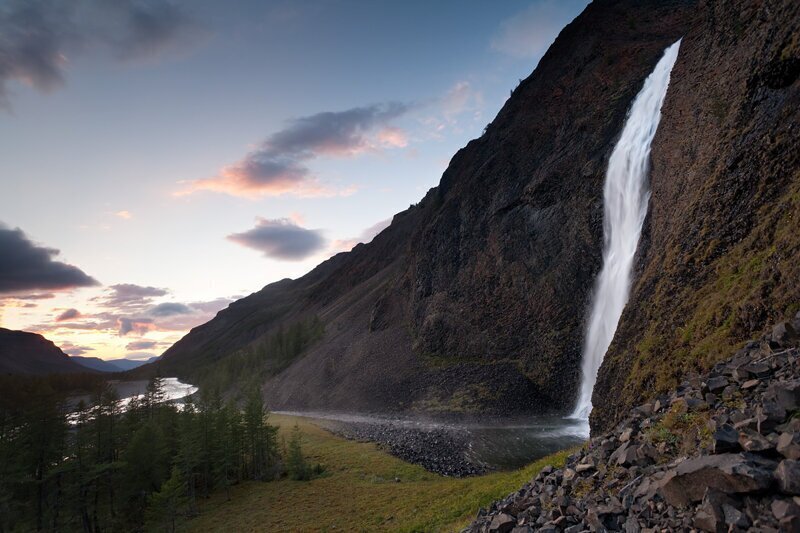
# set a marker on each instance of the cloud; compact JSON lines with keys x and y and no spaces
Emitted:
{"x":71,"y":349}
{"x":139,"y":356}
{"x":450,"y":109}
{"x":141,"y":345}
{"x":140,"y":326}
{"x":169,"y":309}
{"x":25,"y":266}
{"x":212,"y":306}
{"x":128,"y":295}
{"x":69,"y":314}
{"x":392,"y":137}
{"x":530,"y":32}
{"x":39,"y":36}
{"x":345,"y":245}
{"x":36,"y":296}
{"x":460,"y":99}
{"x":281,"y":239}
{"x":124,"y":214}
{"x":278,"y":165}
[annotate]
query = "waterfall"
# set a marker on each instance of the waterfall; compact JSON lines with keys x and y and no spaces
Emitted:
{"x":625,"y":198}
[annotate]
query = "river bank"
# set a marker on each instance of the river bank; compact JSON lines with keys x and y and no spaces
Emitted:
{"x":457,"y":447}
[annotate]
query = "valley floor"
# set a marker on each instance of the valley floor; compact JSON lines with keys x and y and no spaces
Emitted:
{"x":363,"y":489}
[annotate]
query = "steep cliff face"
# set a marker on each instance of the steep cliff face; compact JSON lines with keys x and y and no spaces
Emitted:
{"x":475,"y":298}
{"x":721,"y":253}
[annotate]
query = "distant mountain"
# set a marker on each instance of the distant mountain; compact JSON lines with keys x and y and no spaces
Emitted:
{"x":130,"y":364}
{"x":22,"y":352}
{"x":95,"y":363}
{"x":110,"y":365}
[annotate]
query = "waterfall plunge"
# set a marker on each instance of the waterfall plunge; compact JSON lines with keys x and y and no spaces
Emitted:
{"x":625,"y":198}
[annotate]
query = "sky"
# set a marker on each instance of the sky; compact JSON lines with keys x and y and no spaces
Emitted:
{"x":160,"y":159}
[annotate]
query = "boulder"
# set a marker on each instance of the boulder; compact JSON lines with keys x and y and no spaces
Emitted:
{"x":790,"y":524}
{"x":728,"y":473}
{"x":502,"y":523}
{"x":789,"y":445}
{"x":783,"y":508}
{"x":726,"y":439}
{"x":785,"y":394}
{"x":716,"y":384}
{"x":628,"y":456}
{"x":710,"y":515}
{"x":753,"y":441}
{"x":788,"y":476}
{"x":785,"y":334}
{"x":750,"y":384}
{"x":734,"y":517}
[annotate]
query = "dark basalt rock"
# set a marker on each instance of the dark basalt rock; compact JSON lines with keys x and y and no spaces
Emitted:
{"x":718,"y":260}
{"x":788,"y":476}
{"x":680,"y":468}
{"x":788,"y":445}
{"x":727,"y":473}
{"x":726,"y":439}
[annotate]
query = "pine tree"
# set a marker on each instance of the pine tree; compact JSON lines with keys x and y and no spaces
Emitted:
{"x":165,"y":505}
{"x":295,"y":462}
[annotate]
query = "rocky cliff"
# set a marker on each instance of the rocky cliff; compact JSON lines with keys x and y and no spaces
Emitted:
{"x":718,"y":453}
{"x":475,"y":298}
{"x":720,"y":256}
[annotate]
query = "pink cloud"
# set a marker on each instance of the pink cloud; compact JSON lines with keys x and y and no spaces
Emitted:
{"x":393,"y":137}
{"x":278,"y":166}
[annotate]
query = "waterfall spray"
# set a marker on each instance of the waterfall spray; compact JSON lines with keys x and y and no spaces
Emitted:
{"x":625,"y":198}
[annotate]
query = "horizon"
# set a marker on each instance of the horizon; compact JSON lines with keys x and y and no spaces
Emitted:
{"x":169,"y":158}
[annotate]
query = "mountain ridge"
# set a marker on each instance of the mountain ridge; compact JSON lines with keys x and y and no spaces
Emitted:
{"x":22,"y":352}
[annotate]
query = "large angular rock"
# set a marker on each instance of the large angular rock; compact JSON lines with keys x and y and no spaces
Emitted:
{"x":789,"y":445}
{"x":788,"y":476}
{"x":752,"y":441}
{"x":717,"y":384}
{"x":726,"y":439}
{"x":785,"y":334}
{"x":783,"y":508}
{"x":502,"y":523}
{"x":727,"y":473}
{"x":710,"y":515}
{"x":786,"y":394}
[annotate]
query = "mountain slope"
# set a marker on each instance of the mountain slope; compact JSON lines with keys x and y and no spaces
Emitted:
{"x":475,"y":298}
{"x":721,"y":253}
{"x":28,"y":353}
{"x":95,"y":363}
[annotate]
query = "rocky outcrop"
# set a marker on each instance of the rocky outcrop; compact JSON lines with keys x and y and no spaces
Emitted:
{"x":22,"y":352}
{"x":719,"y":453}
{"x":474,"y":299}
{"x":719,"y":258}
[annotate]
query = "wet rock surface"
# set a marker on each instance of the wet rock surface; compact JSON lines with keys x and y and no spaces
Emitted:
{"x":717,"y":454}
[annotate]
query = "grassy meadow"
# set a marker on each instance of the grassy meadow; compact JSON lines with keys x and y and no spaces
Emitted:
{"x":358,"y":492}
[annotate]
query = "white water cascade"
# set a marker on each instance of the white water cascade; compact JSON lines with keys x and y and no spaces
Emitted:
{"x":625,"y":197}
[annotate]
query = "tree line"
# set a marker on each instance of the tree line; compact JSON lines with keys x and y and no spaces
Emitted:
{"x":253,"y":364}
{"x":99,"y":465}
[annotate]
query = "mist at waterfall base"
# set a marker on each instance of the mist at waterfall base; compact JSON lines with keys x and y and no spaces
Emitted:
{"x":625,"y":197}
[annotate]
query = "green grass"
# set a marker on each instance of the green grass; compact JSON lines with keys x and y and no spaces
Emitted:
{"x":358,"y":492}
